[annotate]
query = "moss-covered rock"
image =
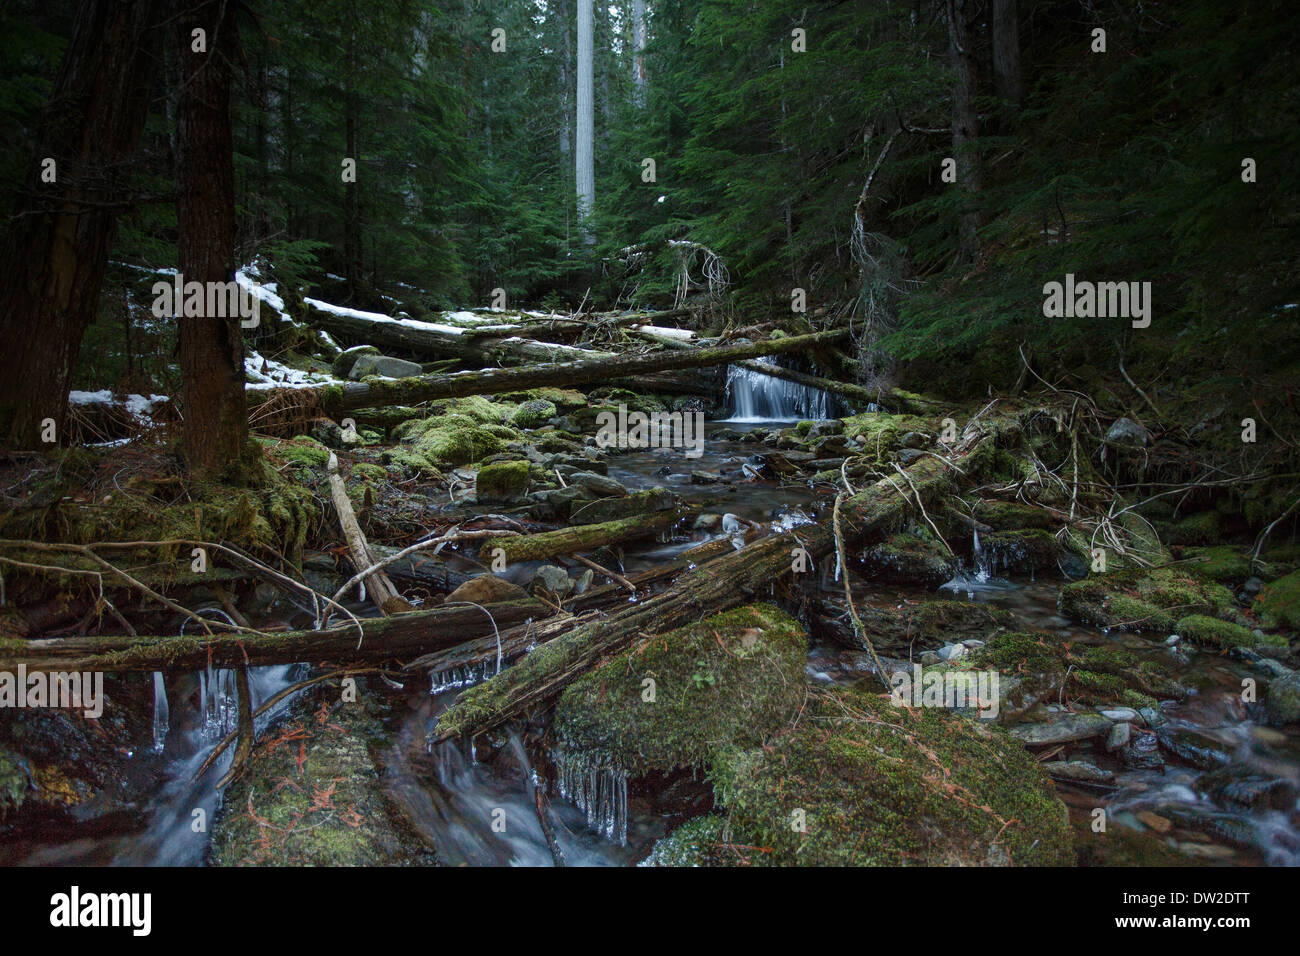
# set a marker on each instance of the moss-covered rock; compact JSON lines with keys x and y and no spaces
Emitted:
{"x":1214,"y":633}
{"x":1278,"y":604}
{"x":455,"y":438}
{"x":1038,"y":666}
{"x":311,"y":796}
{"x":861,"y":782}
{"x":1013,"y":516}
{"x":502,"y":481}
{"x":907,"y":558}
{"x":533,"y":413}
{"x":1222,"y":563}
{"x":1201,"y":528}
{"x":1021,"y":552}
{"x":698,"y":842}
{"x":369,"y":472}
{"x":1151,"y":600}
{"x":730,"y":680}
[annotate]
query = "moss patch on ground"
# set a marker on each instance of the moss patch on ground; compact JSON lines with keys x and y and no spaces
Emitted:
{"x":454,"y":438}
{"x":730,"y":680}
{"x":1278,"y":604}
{"x":860,"y":782}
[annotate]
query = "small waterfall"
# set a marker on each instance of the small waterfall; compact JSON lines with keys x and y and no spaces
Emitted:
{"x":161,"y":713}
{"x":598,"y":791}
{"x":755,"y":397}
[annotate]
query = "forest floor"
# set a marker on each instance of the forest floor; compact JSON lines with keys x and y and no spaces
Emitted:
{"x":931,"y":632}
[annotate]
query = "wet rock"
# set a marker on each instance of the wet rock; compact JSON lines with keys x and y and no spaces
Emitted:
{"x":1239,"y":786}
{"x":907,"y":456}
{"x":1193,"y":747}
{"x":487,"y":589}
{"x":1062,"y":729}
{"x":1127,"y":714}
{"x":1142,"y":752}
{"x":708,"y":521}
{"x":703,"y":478}
{"x":600,"y":486}
{"x":909,"y":559}
{"x":1077,"y":771}
{"x":825,"y":464}
{"x":1154,"y":821}
{"x":371,"y":364}
{"x":829,"y":426}
{"x":636,"y":503}
{"x":1120,"y":735}
{"x":556,"y":503}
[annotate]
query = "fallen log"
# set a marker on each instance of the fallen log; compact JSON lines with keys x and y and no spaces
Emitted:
{"x":378,"y":586}
{"x":339,"y":399}
{"x":727,"y":582}
{"x":582,"y":537}
{"x":383,"y":639}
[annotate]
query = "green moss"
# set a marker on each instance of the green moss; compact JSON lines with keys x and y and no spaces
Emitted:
{"x":803,"y":428}
{"x":455,"y":438}
{"x":564,"y":399}
{"x":860,"y":782}
{"x":1143,"y":600}
{"x":13,"y":783}
{"x":1212,"y":632}
{"x":1278,"y":603}
{"x":697,"y":842}
{"x":1013,"y":516}
{"x":532,"y":413}
{"x":908,"y":558}
{"x":732,"y":679}
{"x":502,"y":481}
{"x":1202,"y":528}
{"x":1223,"y":563}
{"x":369,"y":472}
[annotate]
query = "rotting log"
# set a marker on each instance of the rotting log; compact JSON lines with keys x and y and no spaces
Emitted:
{"x":339,"y":399}
{"x":379,"y":588}
{"x":743,"y":576}
{"x":582,"y":537}
{"x":384,"y":639}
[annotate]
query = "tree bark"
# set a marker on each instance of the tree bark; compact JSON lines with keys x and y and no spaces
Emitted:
{"x":1006,"y":52}
{"x":56,"y":247}
{"x":337,"y":399}
{"x":211,"y":348}
{"x":585,"y":152}
{"x":384,"y":639}
{"x":638,"y":52}
{"x":965,"y":124}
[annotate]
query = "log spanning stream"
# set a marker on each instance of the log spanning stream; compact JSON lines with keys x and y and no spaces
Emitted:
{"x":452,"y":805}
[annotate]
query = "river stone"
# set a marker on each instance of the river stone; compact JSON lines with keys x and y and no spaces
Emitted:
{"x":1239,"y":786}
{"x":553,"y":579}
{"x":342,"y":366}
{"x":370,"y":364}
{"x":614,"y":508}
{"x":1283,"y":701}
{"x":1193,"y":747}
{"x":1120,"y":735}
{"x":703,"y":478}
{"x":1078,"y":771}
{"x":1062,"y":729}
{"x":1142,"y":752}
{"x":602,"y":486}
{"x":907,"y":456}
{"x":1125,"y":431}
{"x":501,"y":482}
{"x":487,"y":589}
{"x":1126,"y":714}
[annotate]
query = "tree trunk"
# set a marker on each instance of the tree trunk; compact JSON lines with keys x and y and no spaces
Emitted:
{"x":385,"y":639}
{"x":965,"y":124}
{"x":638,"y":52}
{"x":56,"y":247}
{"x":585,"y":152}
{"x":1006,"y":52}
{"x":337,"y":399}
{"x":211,"y":348}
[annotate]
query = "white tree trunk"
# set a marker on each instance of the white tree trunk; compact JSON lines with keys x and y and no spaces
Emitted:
{"x":638,"y":51}
{"x":586,"y":166}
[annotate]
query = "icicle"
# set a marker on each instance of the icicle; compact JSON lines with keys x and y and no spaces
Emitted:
{"x":600,"y":792}
{"x":161,"y":713}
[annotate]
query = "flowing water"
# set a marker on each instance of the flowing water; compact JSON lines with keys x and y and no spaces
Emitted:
{"x":487,"y":813}
{"x":755,"y":397}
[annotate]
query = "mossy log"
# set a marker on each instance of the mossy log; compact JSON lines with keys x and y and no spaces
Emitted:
{"x":738,"y":578}
{"x":385,"y":639}
{"x":583,"y":537}
{"x":339,"y":399}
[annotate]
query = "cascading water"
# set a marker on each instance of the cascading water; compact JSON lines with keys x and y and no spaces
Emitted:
{"x":755,"y":397}
{"x":161,"y":714}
